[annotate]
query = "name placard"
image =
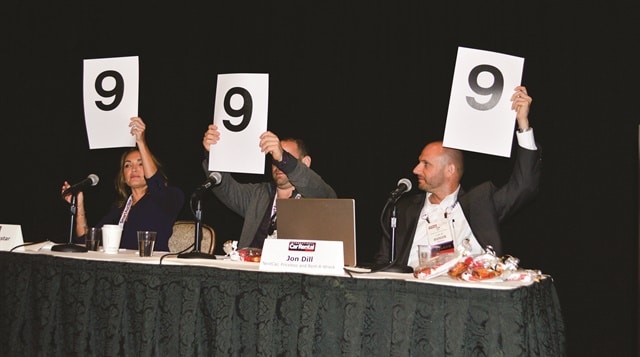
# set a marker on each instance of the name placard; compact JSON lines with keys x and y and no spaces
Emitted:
{"x":302,"y":256}
{"x":11,"y":236}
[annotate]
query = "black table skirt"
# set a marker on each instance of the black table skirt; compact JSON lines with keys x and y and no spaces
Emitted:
{"x":53,"y":306}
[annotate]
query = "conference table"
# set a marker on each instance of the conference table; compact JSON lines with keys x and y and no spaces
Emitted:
{"x":97,"y":304}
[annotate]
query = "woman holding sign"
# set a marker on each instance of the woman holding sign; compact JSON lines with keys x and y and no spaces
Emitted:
{"x":145,"y":200}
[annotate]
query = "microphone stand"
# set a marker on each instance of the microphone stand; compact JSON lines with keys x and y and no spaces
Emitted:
{"x":393,"y":267}
{"x":70,"y":246}
{"x":393,"y":234}
{"x":196,"y":253}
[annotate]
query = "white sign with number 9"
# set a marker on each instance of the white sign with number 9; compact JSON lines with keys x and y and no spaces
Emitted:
{"x":110,"y":88}
{"x":480,"y":118}
{"x":240,"y":113}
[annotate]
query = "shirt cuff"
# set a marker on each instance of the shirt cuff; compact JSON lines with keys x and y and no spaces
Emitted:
{"x":526,"y":139}
{"x":288,"y":163}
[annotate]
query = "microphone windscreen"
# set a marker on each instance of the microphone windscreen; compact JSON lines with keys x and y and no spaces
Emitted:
{"x":406,"y":182}
{"x":215,"y":175}
{"x":94,"y":179}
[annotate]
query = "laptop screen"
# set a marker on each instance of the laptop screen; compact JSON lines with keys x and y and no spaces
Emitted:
{"x":332,"y":219}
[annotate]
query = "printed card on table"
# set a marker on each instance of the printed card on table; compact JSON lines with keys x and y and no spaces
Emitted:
{"x":110,"y":89}
{"x":241,"y":106}
{"x":11,"y":237}
{"x":480,"y":117}
{"x":303,"y":256}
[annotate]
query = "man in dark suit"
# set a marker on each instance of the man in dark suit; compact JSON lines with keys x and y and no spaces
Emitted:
{"x":446,"y":215}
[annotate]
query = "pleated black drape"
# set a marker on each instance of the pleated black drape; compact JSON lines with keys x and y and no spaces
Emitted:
{"x":51,"y":306}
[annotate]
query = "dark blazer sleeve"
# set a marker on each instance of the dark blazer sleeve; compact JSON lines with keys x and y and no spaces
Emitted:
{"x":486,"y":206}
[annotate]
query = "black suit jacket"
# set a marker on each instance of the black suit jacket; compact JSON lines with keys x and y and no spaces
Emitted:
{"x":484,"y":207}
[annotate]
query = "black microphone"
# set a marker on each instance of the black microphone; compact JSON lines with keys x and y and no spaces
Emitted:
{"x":91,"y":180}
{"x":213,"y":179}
{"x":404,"y":185}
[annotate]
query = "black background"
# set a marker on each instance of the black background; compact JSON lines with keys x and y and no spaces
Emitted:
{"x":367,"y":84}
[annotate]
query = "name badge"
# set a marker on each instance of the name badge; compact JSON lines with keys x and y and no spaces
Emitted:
{"x":440,"y":235}
{"x":302,"y":256}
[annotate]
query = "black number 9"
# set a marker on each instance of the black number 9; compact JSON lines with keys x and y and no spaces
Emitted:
{"x":116,"y":92}
{"x":494,"y":90}
{"x":244,"y":111}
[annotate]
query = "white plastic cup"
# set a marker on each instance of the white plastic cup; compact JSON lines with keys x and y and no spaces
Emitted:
{"x":111,"y":234}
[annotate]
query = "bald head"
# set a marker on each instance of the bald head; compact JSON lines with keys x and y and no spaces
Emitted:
{"x":446,"y":156}
{"x":439,"y":169}
{"x":455,"y":157}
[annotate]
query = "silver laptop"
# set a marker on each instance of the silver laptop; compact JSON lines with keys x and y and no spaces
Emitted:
{"x":332,"y":219}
